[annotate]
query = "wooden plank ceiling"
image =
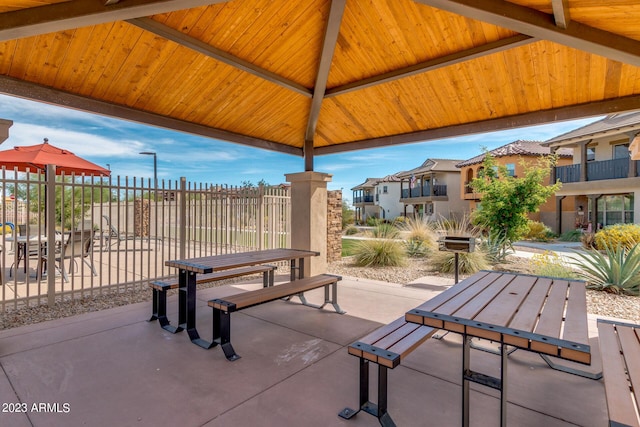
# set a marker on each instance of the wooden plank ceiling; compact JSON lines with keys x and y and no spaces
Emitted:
{"x":316,"y":76}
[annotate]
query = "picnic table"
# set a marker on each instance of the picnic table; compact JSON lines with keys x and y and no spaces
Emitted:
{"x":188,"y":269}
{"x":539,"y":314}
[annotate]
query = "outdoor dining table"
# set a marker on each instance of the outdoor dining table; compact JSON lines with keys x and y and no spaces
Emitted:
{"x":22,"y":247}
{"x":189,"y":268}
{"x":540,"y":314}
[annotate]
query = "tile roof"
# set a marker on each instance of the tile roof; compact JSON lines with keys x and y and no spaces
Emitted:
{"x":611,"y":124}
{"x":431,"y":165}
{"x":517,"y":148}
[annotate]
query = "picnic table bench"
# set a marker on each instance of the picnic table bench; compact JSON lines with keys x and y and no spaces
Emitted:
{"x":387,"y":347}
{"x":620,"y":349}
{"x":160,"y":288}
{"x":223,"y":307}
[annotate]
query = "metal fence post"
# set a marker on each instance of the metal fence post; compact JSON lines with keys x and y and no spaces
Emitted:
{"x":182,"y":214}
{"x":260,"y":219}
{"x":50,"y":215}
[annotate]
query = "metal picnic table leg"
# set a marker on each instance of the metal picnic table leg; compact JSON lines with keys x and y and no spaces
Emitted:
{"x":466,"y":350}
{"x":469,"y":376}
{"x":188,"y":301}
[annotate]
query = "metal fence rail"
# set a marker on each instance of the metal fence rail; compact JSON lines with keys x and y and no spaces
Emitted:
{"x":133,"y":228}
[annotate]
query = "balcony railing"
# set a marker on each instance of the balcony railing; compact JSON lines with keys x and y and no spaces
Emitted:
{"x":438,"y":190}
{"x":363,"y":199}
{"x":604,"y":169}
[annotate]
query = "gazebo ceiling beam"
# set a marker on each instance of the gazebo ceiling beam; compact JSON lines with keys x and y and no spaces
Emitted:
{"x":561,"y":13}
{"x":541,"y":25}
{"x":34,"y":92}
{"x":82,"y":13}
{"x":194,"y":44}
{"x":433,"y":64}
{"x":572,"y":112}
{"x":328,"y":48}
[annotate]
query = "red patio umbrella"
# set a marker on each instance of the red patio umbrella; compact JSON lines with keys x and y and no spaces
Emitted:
{"x":36,"y":157}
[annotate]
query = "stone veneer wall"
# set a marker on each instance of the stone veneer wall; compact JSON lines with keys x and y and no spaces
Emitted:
{"x":334,"y":225}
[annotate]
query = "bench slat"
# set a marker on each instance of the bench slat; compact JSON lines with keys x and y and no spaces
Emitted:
{"x":173,"y":283}
{"x":396,"y":339}
{"x":411,"y":342}
{"x":259,"y":296}
{"x":382,"y":331}
{"x":622,"y":409}
{"x":630,"y":344}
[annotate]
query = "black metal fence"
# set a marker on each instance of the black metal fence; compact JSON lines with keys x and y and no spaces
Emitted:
{"x":131,"y":228}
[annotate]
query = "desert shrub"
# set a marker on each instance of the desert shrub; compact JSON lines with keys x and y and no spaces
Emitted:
{"x":417,"y":248}
{"x":379,"y":252}
{"x":373,"y":222}
{"x":571,"y":236}
{"x":399,"y":220}
{"x":419,"y":230}
{"x":625,"y":235}
{"x":351,"y":230}
{"x":468,"y":263}
{"x":496,"y":247}
{"x":457,"y":227}
{"x":385,"y":231}
{"x":538,"y":232}
{"x":551,"y":264}
{"x":616,"y":271}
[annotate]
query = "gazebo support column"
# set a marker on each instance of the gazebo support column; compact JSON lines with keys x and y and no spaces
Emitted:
{"x":309,"y":217}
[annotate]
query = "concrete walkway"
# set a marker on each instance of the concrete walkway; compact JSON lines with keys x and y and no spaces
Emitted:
{"x":113,"y":368}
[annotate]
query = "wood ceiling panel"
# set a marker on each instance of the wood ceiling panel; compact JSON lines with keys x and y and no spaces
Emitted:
{"x":398,"y":34}
{"x":249,"y":68}
{"x":620,"y":16}
{"x":10,"y":5}
{"x":280,"y":36}
{"x":535,"y":77}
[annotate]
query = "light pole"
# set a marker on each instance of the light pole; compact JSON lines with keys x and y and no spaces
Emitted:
{"x":155,"y":166}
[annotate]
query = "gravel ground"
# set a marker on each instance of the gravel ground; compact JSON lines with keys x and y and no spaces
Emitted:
{"x":598,"y":302}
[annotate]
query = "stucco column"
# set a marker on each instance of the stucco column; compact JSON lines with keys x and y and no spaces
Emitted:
{"x":309,"y":217}
{"x":4,"y":129}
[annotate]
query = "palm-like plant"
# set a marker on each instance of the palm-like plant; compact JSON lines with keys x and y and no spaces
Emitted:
{"x":618,"y":271}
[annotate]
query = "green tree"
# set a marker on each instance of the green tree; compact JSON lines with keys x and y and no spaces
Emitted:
{"x":506,"y":200}
{"x":347,"y":214}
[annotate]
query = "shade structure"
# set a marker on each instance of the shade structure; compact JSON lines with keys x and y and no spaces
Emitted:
{"x":316,"y":77}
{"x":36,"y":157}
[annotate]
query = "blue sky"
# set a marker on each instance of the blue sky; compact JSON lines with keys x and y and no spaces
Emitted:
{"x":118,"y":143}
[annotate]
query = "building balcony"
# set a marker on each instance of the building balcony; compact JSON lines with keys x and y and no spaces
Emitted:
{"x":361,"y":200}
{"x":425,"y":191}
{"x":596,"y":171}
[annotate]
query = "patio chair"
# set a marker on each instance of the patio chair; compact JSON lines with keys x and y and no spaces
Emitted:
{"x":79,"y":244}
{"x":113,"y":236}
{"x":7,"y":228}
{"x":27,"y":249}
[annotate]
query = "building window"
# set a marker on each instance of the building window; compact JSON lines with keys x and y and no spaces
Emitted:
{"x":384,"y":189}
{"x":511,"y":169}
{"x":429,"y":209}
{"x":615,"y":209}
{"x":621,"y":151}
{"x":591,"y":154}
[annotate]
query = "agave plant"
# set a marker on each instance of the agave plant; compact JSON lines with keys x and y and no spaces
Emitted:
{"x":497,"y":248}
{"x":618,"y":271}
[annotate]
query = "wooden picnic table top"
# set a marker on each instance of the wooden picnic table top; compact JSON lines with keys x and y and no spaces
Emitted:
{"x":209,"y":264}
{"x":541,"y":314}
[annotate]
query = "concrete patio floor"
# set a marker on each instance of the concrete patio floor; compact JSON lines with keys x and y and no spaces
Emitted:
{"x":114,"y":368}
